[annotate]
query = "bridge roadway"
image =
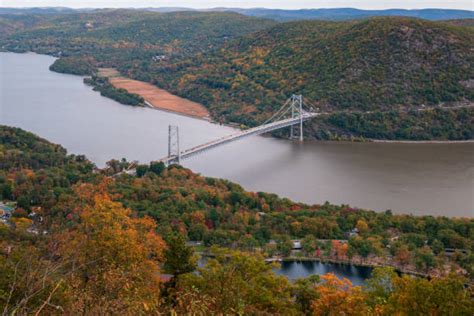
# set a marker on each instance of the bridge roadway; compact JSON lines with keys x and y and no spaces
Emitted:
{"x":237,"y":136}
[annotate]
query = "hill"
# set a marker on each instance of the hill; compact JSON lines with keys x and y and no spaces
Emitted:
{"x":380,"y":64}
{"x":339,"y":14}
{"x":36,"y":10}
{"x":119,"y":32}
{"x":336,"y":14}
{"x":75,"y":237}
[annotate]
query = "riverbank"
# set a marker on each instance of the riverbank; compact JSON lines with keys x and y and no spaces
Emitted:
{"x":154,"y":96}
{"x":469,"y":141}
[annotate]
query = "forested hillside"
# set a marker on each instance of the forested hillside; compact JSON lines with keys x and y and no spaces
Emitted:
{"x":378,"y":64}
{"x":128,"y":35}
{"x":281,"y":14}
{"x":96,"y":241}
{"x":242,"y":68}
{"x":352,"y":14}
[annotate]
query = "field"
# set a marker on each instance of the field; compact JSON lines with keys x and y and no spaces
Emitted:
{"x":108,"y":72}
{"x":156,"y":97}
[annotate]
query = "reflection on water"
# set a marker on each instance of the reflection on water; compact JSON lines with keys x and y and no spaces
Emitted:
{"x":302,"y":269}
{"x":294,"y":270}
{"x":410,"y":178}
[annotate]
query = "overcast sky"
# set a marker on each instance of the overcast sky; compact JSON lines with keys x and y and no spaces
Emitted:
{"x":283,"y":4}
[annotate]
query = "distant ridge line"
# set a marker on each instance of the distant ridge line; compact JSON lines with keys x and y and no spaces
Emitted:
{"x":277,"y":14}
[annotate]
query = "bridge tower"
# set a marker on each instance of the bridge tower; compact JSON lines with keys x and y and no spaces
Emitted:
{"x":173,"y":143}
{"x":297,"y":112}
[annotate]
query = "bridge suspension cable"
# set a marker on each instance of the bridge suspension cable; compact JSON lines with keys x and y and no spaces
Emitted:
{"x":277,"y":112}
{"x":279,"y":120}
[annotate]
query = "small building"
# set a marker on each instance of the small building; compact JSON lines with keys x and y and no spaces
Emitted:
{"x":353,"y":233}
{"x":159,"y":57}
{"x":296,"y":245}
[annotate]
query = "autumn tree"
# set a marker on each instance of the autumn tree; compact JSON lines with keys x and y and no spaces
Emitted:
{"x":338,"y":297}
{"x":112,"y":260}
{"x":30,"y":283}
{"x":362,"y":227}
{"x":403,"y":255}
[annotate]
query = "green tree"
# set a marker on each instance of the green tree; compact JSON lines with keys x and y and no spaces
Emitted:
{"x":424,"y":258}
{"x":142,"y":170}
{"x":157,"y":167}
{"x":284,"y":245}
{"x":179,"y":258}
{"x":240,"y":284}
{"x":309,"y":244}
{"x":248,"y":242}
{"x":361,"y":246}
{"x":304,"y":291}
{"x":7,"y":191}
{"x":437,"y":247}
{"x":380,"y":285}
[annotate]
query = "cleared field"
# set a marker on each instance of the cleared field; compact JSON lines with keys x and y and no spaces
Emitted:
{"x":161,"y":99}
{"x":108,"y":72}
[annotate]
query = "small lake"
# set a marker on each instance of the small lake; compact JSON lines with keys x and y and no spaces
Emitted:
{"x":303,"y":269}
{"x":293,"y":270}
{"x":435,"y":179}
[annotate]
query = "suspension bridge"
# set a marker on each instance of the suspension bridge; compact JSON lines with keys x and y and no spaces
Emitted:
{"x":292,"y":114}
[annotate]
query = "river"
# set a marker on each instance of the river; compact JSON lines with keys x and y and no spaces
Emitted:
{"x":435,"y":179}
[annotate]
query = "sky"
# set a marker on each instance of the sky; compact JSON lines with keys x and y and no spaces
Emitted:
{"x":281,"y":4}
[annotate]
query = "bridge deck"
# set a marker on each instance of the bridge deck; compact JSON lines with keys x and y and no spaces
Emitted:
{"x":242,"y":134}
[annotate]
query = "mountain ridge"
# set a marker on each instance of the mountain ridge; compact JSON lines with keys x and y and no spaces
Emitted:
{"x":280,"y":14}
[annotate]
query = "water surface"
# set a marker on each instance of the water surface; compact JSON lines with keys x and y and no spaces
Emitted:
{"x":295,"y":270}
{"x":433,"y":179}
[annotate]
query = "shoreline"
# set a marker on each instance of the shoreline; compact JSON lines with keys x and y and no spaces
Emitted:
{"x":350,"y":263}
{"x":154,"y":96}
{"x":148,"y":105}
{"x":234,"y":126}
{"x":270,"y":260}
{"x":381,"y":141}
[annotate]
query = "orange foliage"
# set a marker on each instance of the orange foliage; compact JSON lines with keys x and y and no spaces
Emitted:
{"x":198,"y":217}
{"x":113,"y":259}
{"x":22,"y":223}
{"x":339,"y":297}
